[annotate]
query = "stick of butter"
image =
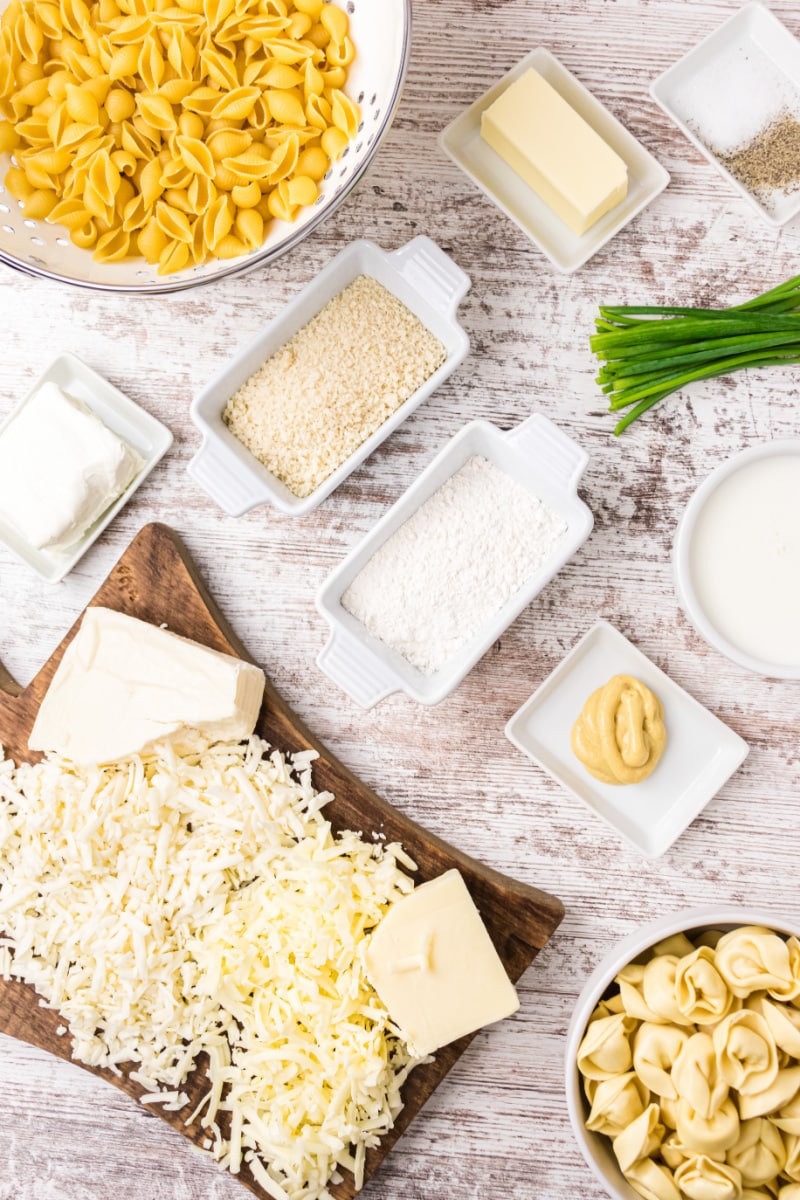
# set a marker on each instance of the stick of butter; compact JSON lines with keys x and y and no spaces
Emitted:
{"x":434,"y":966}
{"x":123,"y":684}
{"x":555,"y":151}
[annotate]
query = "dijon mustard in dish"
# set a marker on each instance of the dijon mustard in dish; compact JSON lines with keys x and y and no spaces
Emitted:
{"x":620,"y":736}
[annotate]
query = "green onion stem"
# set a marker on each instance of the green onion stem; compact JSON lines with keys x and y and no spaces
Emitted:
{"x":758,"y":359}
{"x":675,"y":349}
{"x":781,"y":290}
{"x":684,"y":329}
{"x":630,"y":417}
{"x":651,"y":367}
{"x":646,"y":352}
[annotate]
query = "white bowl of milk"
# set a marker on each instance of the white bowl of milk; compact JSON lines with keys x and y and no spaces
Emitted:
{"x":737,"y":559}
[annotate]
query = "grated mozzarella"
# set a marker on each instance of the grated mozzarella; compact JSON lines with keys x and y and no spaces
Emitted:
{"x":198,"y":903}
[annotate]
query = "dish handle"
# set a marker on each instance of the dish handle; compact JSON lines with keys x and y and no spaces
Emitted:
{"x":357,"y":672}
{"x":220,"y":474}
{"x":433,"y":274}
{"x":552,"y":450}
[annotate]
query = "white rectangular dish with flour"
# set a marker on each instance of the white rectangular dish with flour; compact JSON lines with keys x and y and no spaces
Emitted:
{"x":419,"y":274}
{"x":547,"y":464}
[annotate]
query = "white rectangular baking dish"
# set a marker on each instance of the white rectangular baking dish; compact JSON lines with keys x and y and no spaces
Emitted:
{"x":421,"y":275}
{"x":754,"y":33}
{"x":143,"y":433}
{"x":540,"y":457}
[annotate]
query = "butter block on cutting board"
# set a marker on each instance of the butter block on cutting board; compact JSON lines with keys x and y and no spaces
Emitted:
{"x":555,"y":151}
{"x":124,"y":684}
{"x":434,"y":966}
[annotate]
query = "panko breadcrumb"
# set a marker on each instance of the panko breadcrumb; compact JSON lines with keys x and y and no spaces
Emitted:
{"x":331,"y":386}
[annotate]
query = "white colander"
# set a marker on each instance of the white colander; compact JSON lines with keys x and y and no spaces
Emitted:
{"x":381,"y":33}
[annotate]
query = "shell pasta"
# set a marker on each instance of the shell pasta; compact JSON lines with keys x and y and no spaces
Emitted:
{"x":172,"y":129}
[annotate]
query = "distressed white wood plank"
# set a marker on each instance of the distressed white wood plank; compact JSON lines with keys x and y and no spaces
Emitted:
{"x":498,"y":1127}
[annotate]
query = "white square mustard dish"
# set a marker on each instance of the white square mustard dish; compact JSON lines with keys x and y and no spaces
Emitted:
{"x":700,"y":755}
{"x":147,"y":437}
{"x":567,"y":251}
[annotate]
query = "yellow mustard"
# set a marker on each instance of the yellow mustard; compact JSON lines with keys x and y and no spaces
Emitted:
{"x":620,"y":736}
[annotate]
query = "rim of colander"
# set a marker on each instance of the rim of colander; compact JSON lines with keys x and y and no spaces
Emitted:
{"x":267,"y":254}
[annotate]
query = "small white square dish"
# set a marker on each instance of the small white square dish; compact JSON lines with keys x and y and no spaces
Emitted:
{"x":462,"y":142}
{"x":700,"y":755}
{"x":419,"y":274}
{"x":730,"y":88}
{"x":539,"y":456}
{"x":146,"y":436}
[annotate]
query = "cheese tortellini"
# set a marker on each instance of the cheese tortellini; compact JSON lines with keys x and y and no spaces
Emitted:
{"x":760,"y":1153}
{"x":655,"y":1049}
{"x":174,"y":131}
{"x":691,"y":1066}
{"x":606,"y":1048}
{"x":703,"y":1178}
{"x":697,"y":1077}
{"x":616,"y":1103}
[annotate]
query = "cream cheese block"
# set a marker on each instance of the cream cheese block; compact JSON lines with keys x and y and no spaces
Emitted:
{"x":555,"y":151}
{"x":434,"y":966}
{"x":123,"y":684}
{"x":60,"y":469}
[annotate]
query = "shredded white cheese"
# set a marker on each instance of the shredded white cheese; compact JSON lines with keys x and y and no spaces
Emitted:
{"x":172,"y":906}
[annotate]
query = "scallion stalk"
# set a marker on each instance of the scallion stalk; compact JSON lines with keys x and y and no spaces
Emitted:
{"x":648,"y":352}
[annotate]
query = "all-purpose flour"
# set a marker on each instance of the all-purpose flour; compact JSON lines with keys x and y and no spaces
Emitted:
{"x":453,"y":564}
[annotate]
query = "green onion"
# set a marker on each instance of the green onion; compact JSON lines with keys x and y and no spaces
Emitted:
{"x":649,"y":351}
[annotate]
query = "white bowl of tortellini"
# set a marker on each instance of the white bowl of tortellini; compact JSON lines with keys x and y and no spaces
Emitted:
{"x":683,"y":1060}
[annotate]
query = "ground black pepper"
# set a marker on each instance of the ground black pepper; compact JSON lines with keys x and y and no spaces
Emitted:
{"x":771,"y":161}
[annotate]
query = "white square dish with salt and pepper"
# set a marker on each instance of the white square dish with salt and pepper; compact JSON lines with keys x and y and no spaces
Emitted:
{"x":534,"y":469}
{"x":145,"y":438}
{"x":700,"y":756}
{"x":420,"y":276}
{"x":736,"y":97}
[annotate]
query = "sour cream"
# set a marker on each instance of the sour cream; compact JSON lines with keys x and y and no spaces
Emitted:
{"x":744,"y":559}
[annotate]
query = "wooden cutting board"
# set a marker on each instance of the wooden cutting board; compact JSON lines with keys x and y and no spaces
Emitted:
{"x":156,"y":581}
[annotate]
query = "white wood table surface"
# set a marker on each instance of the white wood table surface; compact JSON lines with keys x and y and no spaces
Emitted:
{"x":498,"y":1126}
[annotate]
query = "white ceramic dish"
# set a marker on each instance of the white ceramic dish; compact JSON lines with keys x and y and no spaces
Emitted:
{"x":540,"y":457}
{"x":701,"y":752}
{"x":381,"y":33}
{"x":595,"y":1148}
{"x":681,"y":560}
{"x":753,"y":34}
{"x":462,"y":142}
{"x":421,"y":275}
{"x":148,"y":437}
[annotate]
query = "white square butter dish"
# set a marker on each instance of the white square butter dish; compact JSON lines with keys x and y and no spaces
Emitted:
{"x":419,"y":274}
{"x":567,"y":251}
{"x":701,"y":752}
{"x":538,"y":455}
{"x":146,"y":436}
